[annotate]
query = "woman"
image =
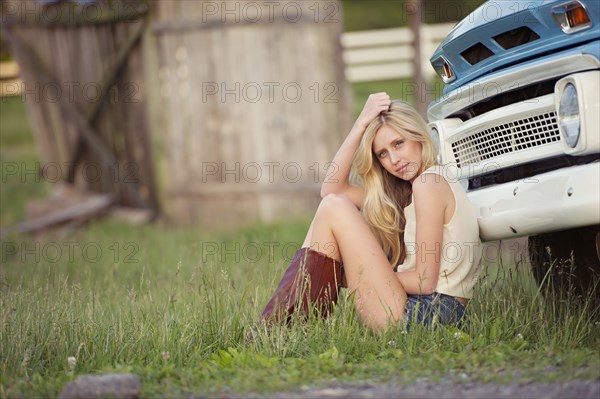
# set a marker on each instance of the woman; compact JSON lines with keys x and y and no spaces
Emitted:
{"x":407,"y":236}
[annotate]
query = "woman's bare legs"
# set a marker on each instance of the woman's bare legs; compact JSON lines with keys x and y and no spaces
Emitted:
{"x":339,"y":231}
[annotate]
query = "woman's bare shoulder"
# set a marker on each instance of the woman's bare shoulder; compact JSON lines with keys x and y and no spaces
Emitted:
{"x":431,"y":188}
{"x":428,"y":182}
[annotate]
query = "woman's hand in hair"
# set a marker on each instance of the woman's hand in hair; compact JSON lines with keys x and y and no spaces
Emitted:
{"x":376,"y":104}
{"x":337,"y":180}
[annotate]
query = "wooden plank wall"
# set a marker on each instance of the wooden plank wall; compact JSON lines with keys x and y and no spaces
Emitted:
{"x":252,"y":104}
{"x":78,"y":56}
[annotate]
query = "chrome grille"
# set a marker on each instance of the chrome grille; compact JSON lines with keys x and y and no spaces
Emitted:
{"x":508,"y":137}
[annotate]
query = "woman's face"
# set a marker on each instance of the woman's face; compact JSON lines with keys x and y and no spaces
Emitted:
{"x":398,"y":155}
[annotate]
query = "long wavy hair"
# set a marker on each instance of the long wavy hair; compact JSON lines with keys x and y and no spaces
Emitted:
{"x":386,"y":195}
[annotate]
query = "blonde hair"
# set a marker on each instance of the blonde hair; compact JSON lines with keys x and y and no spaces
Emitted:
{"x":386,"y":195}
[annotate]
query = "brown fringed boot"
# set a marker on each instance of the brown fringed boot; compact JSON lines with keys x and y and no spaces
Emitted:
{"x":312,"y":280}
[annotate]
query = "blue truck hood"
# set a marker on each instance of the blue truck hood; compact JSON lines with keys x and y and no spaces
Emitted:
{"x":494,"y":18}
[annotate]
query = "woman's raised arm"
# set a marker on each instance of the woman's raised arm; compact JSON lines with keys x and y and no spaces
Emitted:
{"x":337,"y":180}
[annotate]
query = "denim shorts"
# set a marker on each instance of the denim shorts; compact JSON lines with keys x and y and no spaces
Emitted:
{"x":433,"y":309}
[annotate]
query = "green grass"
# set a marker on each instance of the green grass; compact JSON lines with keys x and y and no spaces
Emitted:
{"x":398,"y":89}
{"x":380,"y":14}
{"x":179,"y":307}
{"x":19,"y":162}
{"x":125,"y":296}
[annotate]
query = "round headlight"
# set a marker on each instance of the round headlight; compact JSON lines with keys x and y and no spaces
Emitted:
{"x":568,"y":115}
{"x":435,"y":136}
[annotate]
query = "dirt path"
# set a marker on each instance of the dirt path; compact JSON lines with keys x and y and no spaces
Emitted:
{"x":450,"y":390}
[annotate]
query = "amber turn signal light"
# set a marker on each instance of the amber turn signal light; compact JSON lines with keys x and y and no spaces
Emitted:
{"x":572,"y":17}
{"x":577,"y":16}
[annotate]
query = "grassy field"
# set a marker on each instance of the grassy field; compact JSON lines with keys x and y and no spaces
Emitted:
{"x":179,"y":308}
{"x":398,"y":89}
{"x":393,"y":13}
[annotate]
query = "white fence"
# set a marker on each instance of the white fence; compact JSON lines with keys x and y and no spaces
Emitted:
{"x":388,"y":53}
{"x":10,"y":84}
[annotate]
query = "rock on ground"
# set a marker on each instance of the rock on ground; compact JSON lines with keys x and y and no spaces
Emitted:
{"x":116,"y":386}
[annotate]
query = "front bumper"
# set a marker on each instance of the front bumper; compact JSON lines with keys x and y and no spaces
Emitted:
{"x":557,"y":200}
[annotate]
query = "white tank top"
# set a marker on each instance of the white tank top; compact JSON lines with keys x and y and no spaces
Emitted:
{"x":461,"y":247}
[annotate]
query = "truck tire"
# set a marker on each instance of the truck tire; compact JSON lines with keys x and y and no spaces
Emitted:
{"x":573,"y":258}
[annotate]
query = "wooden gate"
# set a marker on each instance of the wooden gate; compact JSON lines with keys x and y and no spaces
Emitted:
{"x":83,"y":83}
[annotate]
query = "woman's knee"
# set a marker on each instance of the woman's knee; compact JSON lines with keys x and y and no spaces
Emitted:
{"x":336,"y":203}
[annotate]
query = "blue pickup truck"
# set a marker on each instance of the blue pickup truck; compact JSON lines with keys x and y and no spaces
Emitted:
{"x":519,"y":118}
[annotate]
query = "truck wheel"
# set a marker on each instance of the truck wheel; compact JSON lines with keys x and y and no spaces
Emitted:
{"x":573,"y":257}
